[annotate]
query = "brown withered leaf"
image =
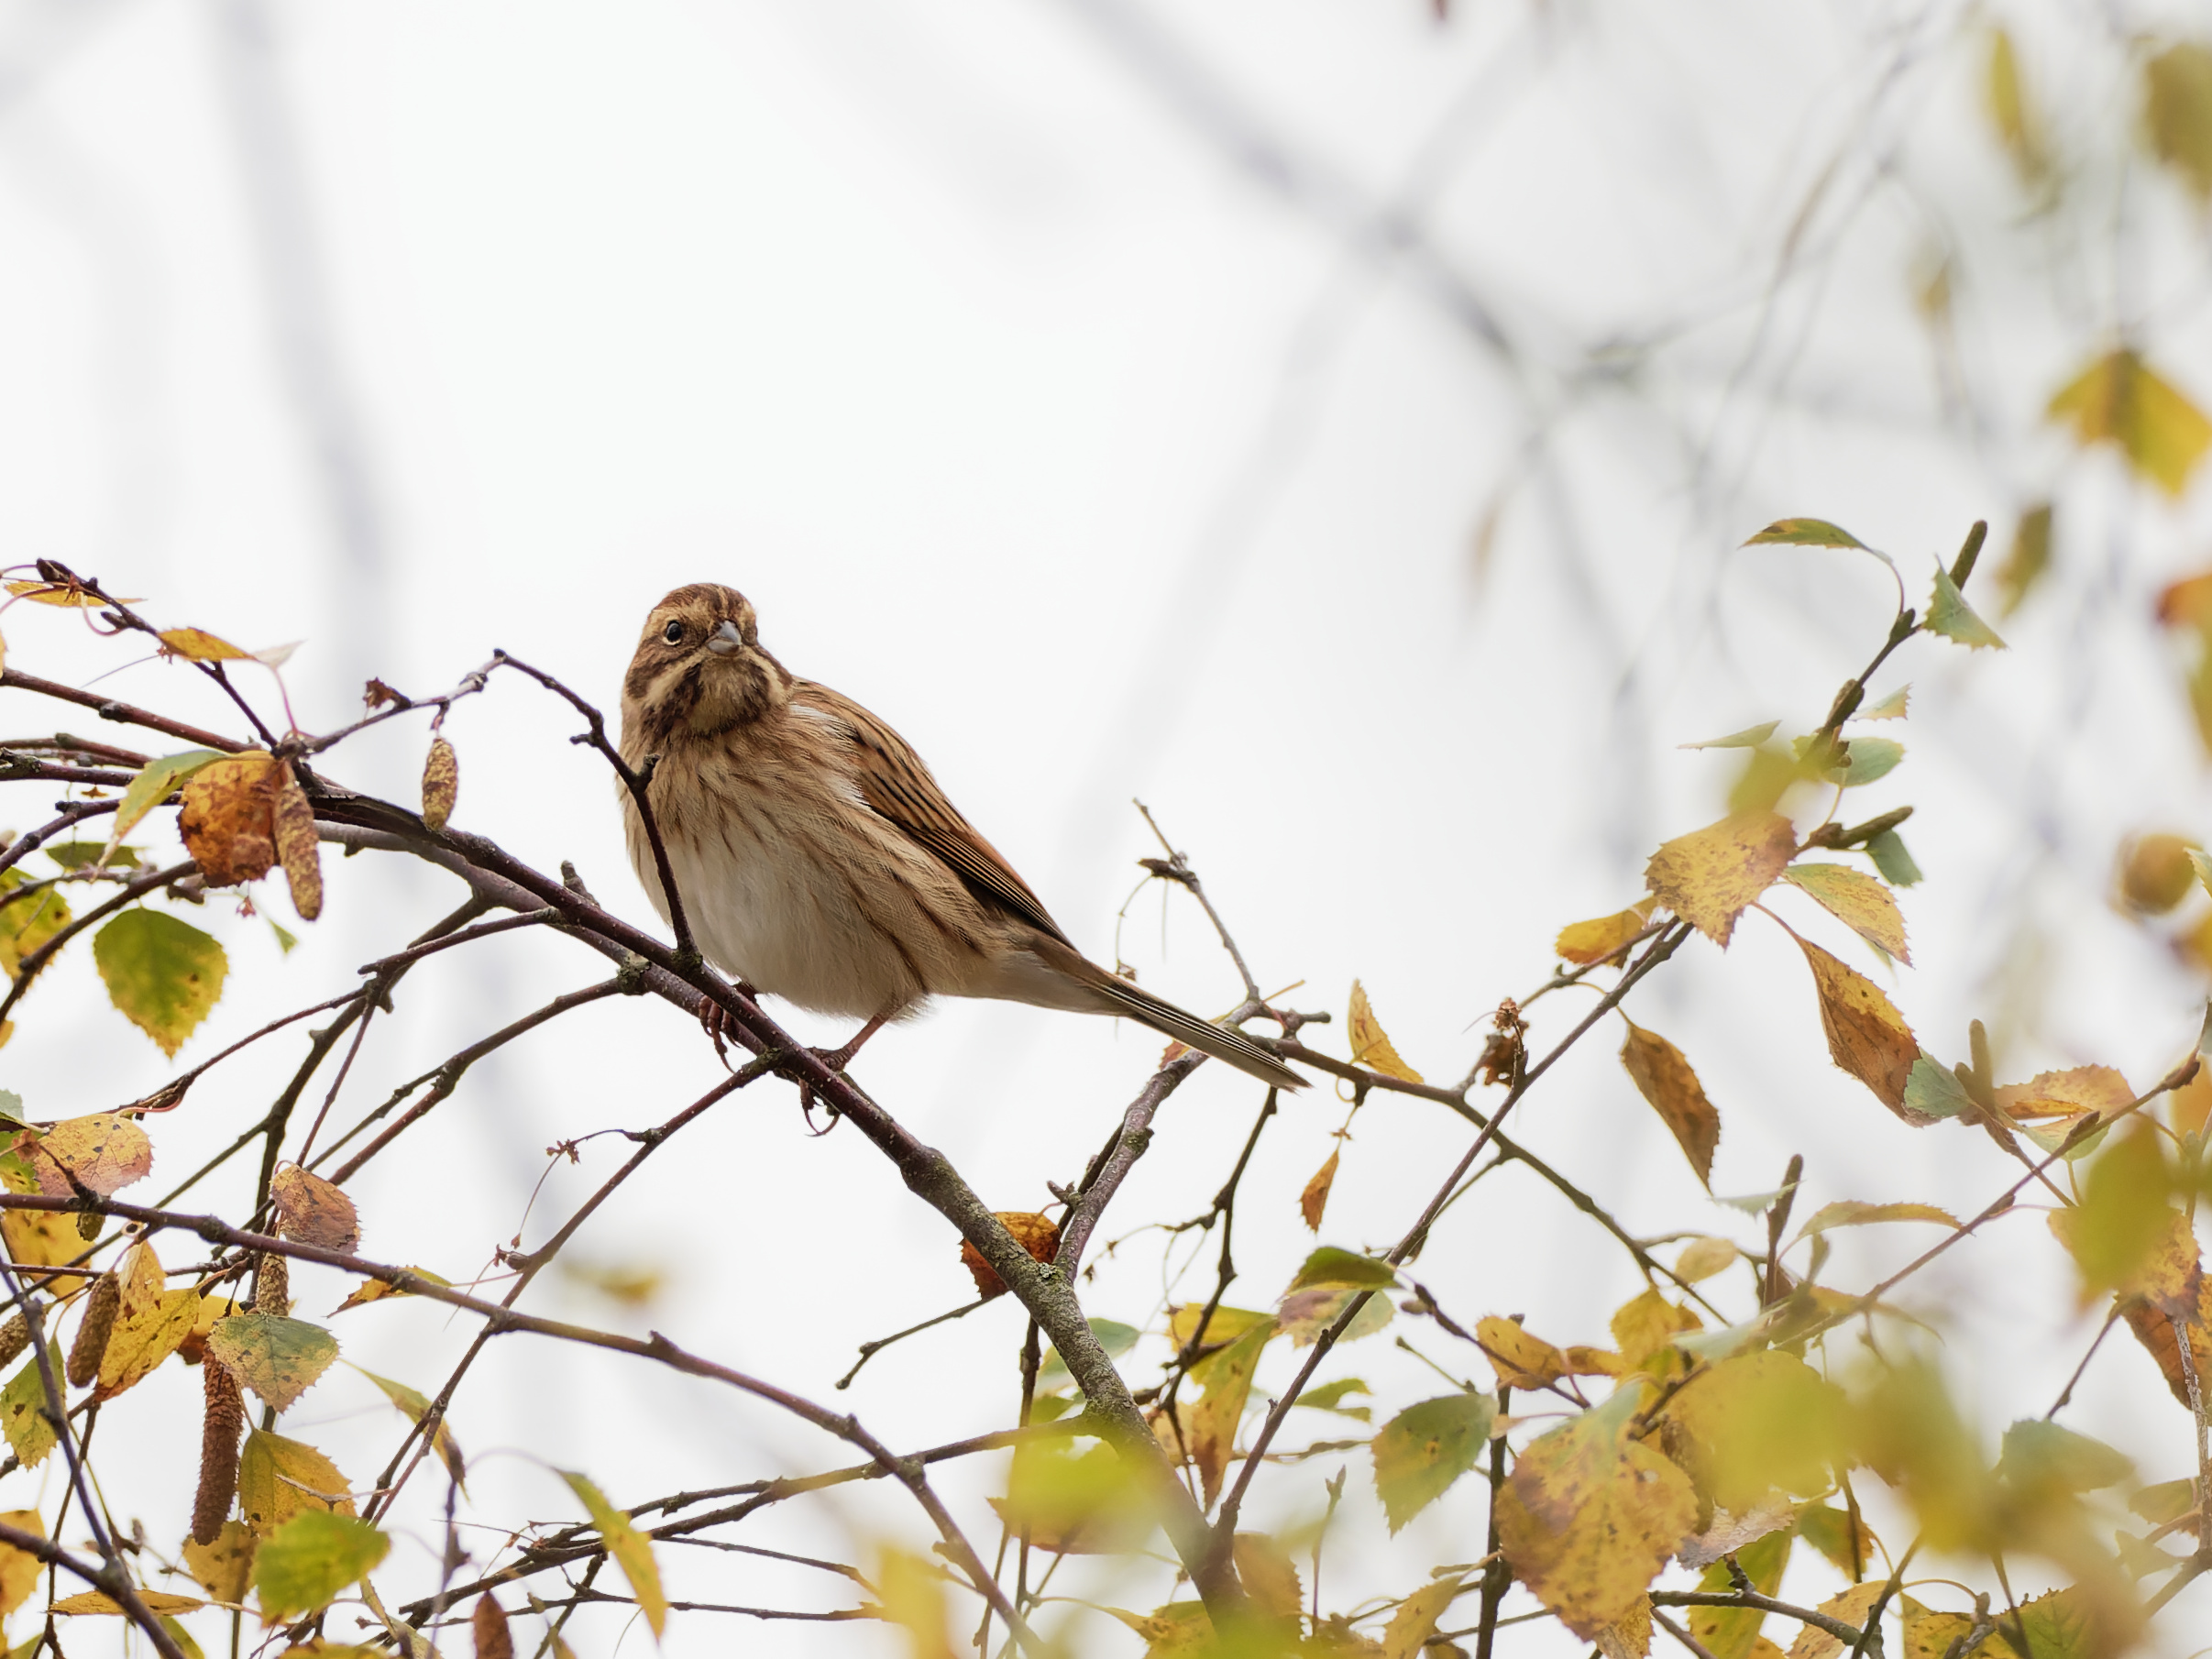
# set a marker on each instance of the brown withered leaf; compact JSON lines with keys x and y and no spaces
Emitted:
{"x":2154,"y":1330}
{"x":297,"y":847}
{"x":1710,"y":877}
{"x":441,"y":784}
{"x":1371,"y":1044}
{"x":1314,"y":1201}
{"x":1866,"y":1036}
{"x":1584,"y":943}
{"x":1665,"y":1079}
{"x":227,"y":818}
{"x":488,"y":1624}
{"x":376,"y":694}
{"x":312,"y":1211}
{"x":1589,"y":1517}
{"x":1861,"y":903}
{"x":1039,"y":1235}
{"x":1521,"y":1360}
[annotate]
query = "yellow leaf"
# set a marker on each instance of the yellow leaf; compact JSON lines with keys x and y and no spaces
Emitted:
{"x":1224,"y":1327}
{"x":103,"y":1154}
{"x":2119,"y":399}
{"x":1371,"y":1045}
{"x":24,"y":1409}
{"x":1589,"y":1517}
{"x":2126,"y":1235}
{"x":632,"y":1550}
{"x":1270,"y":1577}
{"x":1702,"y":1258}
{"x":144,"y":1336}
{"x":378,"y":1290}
{"x":1866,"y":1036}
{"x":59,"y":593}
{"x":1629,"y":1636}
{"x":1759,"y":1423}
{"x":144,"y":1282}
{"x":279,"y":1478}
{"x":1210,"y":1424}
{"x":1314,"y":1201}
{"x":1073,"y":1504}
{"x":198,"y":645}
{"x":1850,"y":1213}
{"x":226,"y":817}
{"x":2011,"y":114}
{"x":41,"y":1238}
{"x":1665,"y":1079}
{"x":224,"y":1567}
{"x":1594,"y":940}
{"x":1710,"y":877}
{"x":1415,"y":1617}
{"x":157,"y":1601}
{"x":2177,"y":113}
{"x":1181,"y":1630}
{"x":2028,"y":560}
{"x":2067,"y":1094}
{"x":911,"y":1594}
{"x":1644,"y":1327}
{"x":1852,"y":1607}
{"x":1733,"y":1632}
{"x":19,"y":1569}
{"x":1521,"y":1360}
{"x":416,"y":1405}
{"x":1861,"y":903}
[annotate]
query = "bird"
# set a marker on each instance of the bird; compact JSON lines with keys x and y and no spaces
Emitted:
{"x":819,"y":861}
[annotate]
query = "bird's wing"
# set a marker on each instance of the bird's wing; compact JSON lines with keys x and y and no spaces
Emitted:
{"x":893,"y":780}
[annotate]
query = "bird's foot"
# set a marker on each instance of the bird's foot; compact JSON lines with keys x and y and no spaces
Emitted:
{"x":834,"y":1061}
{"x":714,"y":1020}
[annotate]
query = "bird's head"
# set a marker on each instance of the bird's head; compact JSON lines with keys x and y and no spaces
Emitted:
{"x":699,"y":668}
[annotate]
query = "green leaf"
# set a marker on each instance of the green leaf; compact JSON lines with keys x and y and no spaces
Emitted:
{"x":278,"y":1359}
{"x":1870,"y":758}
{"x":1304,"y":1315}
{"x":1807,"y":533}
{"x":23,"y":1410}
{"x":27,"y":922}
{"x":1422,"y":1450}
{"x":2043,"y":1454}
{"x":1888,"y":850}
{"x":1891,"y":707}
{"x":1329,"y":1396}
{"x":1951,"y":616}
{"x":2061,"y":1626}
{"x":183,"y":1638}
{"x":163,"y":974}
{"x":1330,"y":1266}
{"x":416,"y":1406}
{"x":305,"y":1565}
{"x":1115,"y":1337}
{"x":632,"y":1550}
{"x":75,"y":855}
{"x":285,"y":941}
{"x":156,"y":781}
{"x":1934,"y":1088}
{"x":2167,"y":1501}
{"x":1751,"y":737}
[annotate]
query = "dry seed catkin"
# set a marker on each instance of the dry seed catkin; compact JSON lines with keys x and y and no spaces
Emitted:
{"x":92,"y":1332}
{"x":441,"y":784}
{"x":294,"y":818}
{"x":15,"y":1336}
{"x":272,"y":1286}
{"x":218,"y":1451}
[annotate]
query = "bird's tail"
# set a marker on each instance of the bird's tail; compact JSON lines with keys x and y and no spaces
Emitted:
{"x":1224,"y":1043}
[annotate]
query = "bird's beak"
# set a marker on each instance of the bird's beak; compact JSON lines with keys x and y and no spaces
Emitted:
{"x":725,"y":639}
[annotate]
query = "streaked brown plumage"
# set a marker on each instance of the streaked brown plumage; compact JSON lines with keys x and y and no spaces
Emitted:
{"x":818,"y":860}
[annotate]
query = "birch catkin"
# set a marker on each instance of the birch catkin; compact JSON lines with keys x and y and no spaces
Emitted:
{"x":272,"y":1286}
{"x":99,"y":1322}
{"x":441,"y":784}
{"x":218,"y":1451}
{"x":15,"y":1336}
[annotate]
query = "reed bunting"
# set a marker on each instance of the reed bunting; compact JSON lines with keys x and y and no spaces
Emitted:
{"x":818,"y":860}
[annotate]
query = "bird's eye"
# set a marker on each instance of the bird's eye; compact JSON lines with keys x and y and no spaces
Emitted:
{"x":673,"y":633}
